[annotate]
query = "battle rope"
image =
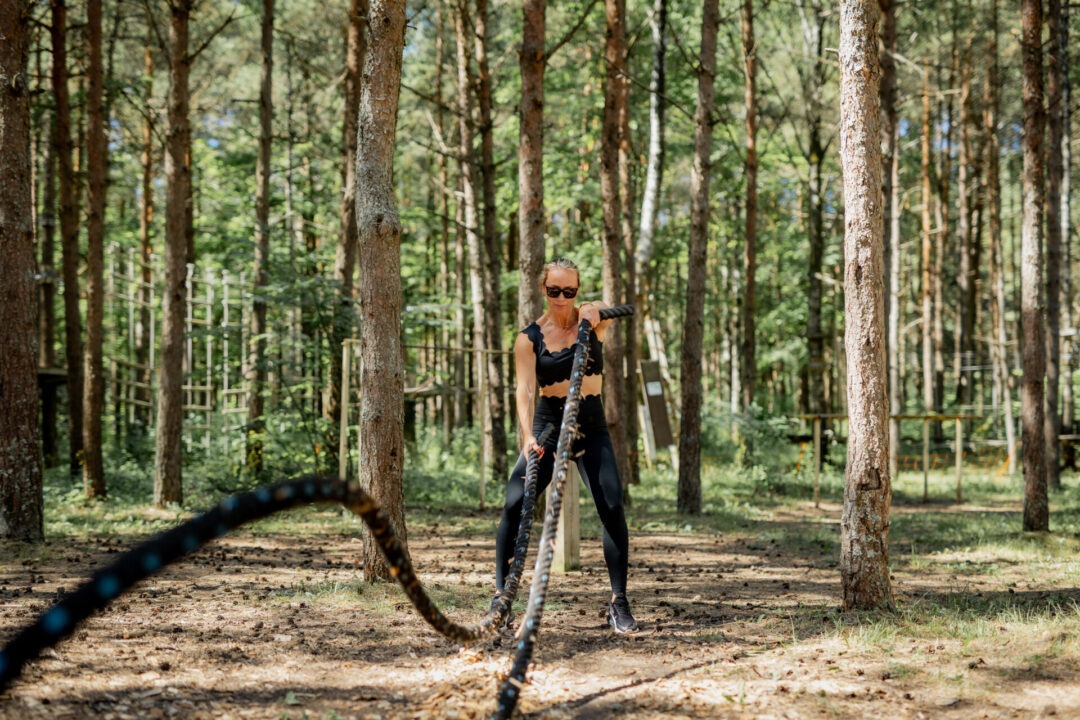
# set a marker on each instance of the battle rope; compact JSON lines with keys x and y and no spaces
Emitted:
{"x":511,"y":688}
{"x":149,"y":557}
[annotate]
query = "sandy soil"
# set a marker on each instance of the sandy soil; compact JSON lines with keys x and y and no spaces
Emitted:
{"x":733,"y":625}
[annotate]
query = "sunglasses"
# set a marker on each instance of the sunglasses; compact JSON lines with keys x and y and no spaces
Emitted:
{"x":554,"y":292}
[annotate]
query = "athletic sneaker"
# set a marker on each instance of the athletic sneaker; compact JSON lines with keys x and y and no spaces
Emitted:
{"x":509,"y":621}
{"x":619,"y":616}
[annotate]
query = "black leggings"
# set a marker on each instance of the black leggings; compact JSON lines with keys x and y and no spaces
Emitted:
{"x":596,"y":462}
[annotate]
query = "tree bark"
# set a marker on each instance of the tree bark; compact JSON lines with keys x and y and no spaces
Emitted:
{"x":168,"y":460}
{"x":968,"y":276}
{"x":531,"y":244}
{"x":891,"y":198}
{"x":927,"y":290}
{"x":381,"y":412}
{"x":47,"y":324}
{"x":69,"y":235}
{"x":146,"y":248}
{"x":612,"y":243}
{"x":97,"y":181}
{"x":747,"y":361}
{"x":492,"y":361}
{"x":1036,"y":510}
{"x":1054,"y":221}
{"x":689,"y":493}
{"x":864,"y":553}
{"x":261,"y":270}
{"x":1067,"y":316}
{"x":20,"y":448}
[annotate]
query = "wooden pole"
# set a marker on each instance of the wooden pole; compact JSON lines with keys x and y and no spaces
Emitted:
{"x":926,"y":459}
{"x":959,"y":460}
{"x":343,"y":428}
{"x":817,"y":461}
{"x":568,"y":538}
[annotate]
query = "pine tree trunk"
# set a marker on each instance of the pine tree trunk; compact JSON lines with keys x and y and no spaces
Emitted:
{"x":97,"y":180}
{"x":891,"y":198}
{"x":969,"y":250}
{"x":146,"y":248}
{"x":927,"y":290}
{"x":47,"y":324}
{"x":1036,"y":510}
{"x":168,"y":460}
{"x":612,"y":243}
{"x":864,"y":553}
{"x":747,"y":362}
{"x":492,"y":317}
{"x":1067,"y":316}
{"x":20,"y":448}
{"x":629,"y":471}
{"x":451,"y":405}
{"x":689,"y":493}
{"x":69,"y":235}
{"x":531,"y":245}
{"x":258,"y":366}
{"x":381,"y":413}
{"x":1054,"y":173}
{"x":654,"y":168}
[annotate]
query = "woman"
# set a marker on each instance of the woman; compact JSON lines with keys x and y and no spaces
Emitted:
{"x":544,"y":355}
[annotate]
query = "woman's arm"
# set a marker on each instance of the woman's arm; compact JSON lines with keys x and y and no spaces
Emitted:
{"x":525,"y":391}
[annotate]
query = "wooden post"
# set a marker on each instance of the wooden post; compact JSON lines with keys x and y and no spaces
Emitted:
{"x":568,"y":537}
{"x":343,"y":429}
{"x":817,"y":460}
{"x":926,"y":459}
{"x":959,"y":460}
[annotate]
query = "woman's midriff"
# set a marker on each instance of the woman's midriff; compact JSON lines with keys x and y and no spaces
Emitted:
{"x":590,"y":385}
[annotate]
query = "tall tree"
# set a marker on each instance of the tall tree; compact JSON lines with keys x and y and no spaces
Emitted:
{"x":47,"y":324}
{"x":864,"y":552}
{"x":492,"y":360}
{"x":69,"y":233}
{"x":927,"y":236}
{"x":654,"y":167}
{"x":1055,"y":172}
{"x":1036,"y":509}
{"x":1067,"y":316}
{"x":615,"y":97}
{"x":258,"y":366}
{"x":20,"y":445}
{"x":531,"y":245}
{"x":168,"y":458}
{"x":381,"y":413}
{"x":689,"y":493}
{"x":891,"y":198}
{"x":345,"y":258}
{"x":97,"y":182}
{"x":812,"y":77}
{"x":146,"y":247}
{"x":747,"y":361}
{"x":991,"y":95}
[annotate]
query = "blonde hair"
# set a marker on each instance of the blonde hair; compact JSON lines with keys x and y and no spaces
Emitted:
{"x":560,"y":264}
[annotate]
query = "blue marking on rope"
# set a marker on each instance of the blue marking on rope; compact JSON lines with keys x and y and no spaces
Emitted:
{"x":511,"y":691}
{"x":309,"y":489}
{"x":151,"y":562}
{"x":55,"y":621}
{"x":229,"y":504}
{"x":221,"y":529}
{"x":521,"y":645}
{"x":108,"y":586}
{"x":326,"y":488}
{"x":3,"y":663}
{"x":190,"y":543}
{"x":262,"y":495}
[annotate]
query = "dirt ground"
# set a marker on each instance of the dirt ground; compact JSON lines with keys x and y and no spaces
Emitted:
{"x":734,"y":624}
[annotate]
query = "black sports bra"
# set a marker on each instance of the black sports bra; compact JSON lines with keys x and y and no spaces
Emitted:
{"x":554,"y":367}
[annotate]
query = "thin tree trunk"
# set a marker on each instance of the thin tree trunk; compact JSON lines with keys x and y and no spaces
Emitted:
{"x":1054,"y":222}
{"x":864,"y":552}
{"x":654,"y":169}
{"x":258,"y":368}
{"x":531,"y":245}
{"x":47,"y":324}
{"x":168,"y":459}
{"x":927,"y":290}
{"x":146,"y":248}
{"x":629,"y":471}
{"x":20,"y":448}
{"x":993,"y":200}
{"x":891,"y":197}
{"x":381,"y":413}
{"x":1036,"y":510}
{"x":97,"y":181}
{"x":612,"y":243}
{"x":969,"y":250}
{"x":689,"y":493}
{"x":446,"y":269}
{"x":1067,"y":316}
{"x":69,"y":235}
{"x":345,"y":257}
{"x":492,"y":361}
{"x":748,"y":363}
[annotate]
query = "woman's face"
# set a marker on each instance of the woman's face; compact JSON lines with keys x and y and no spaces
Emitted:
{"x":562,"y":279}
